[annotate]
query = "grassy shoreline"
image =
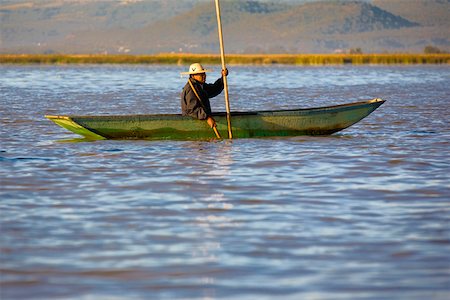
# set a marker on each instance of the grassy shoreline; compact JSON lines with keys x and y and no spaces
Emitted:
{"x":232,"y":59}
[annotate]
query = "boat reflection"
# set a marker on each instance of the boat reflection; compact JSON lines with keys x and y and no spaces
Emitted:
{"x":76,"y":140}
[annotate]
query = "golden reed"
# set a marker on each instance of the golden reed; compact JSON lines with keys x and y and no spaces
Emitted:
{"x":232,"y":59}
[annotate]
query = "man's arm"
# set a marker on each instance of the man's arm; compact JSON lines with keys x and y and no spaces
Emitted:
{"x":217,"y":87}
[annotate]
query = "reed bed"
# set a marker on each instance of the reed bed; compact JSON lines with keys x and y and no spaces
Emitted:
{"x":232,"y":59}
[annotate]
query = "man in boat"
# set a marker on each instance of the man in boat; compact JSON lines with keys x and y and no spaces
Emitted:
{"x":196,"y":94}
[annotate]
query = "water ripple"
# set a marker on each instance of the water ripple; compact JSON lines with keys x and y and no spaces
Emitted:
{"x":362,"y":214}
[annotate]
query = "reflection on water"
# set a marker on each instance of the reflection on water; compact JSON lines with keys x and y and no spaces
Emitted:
{"x":76,"y":140}
{"x":361,"y":214}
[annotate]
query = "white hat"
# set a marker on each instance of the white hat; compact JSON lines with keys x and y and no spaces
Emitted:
{"x":195,"y":69}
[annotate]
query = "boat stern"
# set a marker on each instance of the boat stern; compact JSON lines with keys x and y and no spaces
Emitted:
{"x":69,"y":124}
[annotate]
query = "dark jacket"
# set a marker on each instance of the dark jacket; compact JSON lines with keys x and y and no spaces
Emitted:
{"x":190,"y":105}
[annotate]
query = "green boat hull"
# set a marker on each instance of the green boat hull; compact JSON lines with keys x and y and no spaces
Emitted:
{"x":311,"y":121}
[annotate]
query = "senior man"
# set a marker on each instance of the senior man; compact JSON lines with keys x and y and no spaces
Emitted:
{"x":196,"y":94}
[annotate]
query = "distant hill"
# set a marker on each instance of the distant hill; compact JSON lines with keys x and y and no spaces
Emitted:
{"x":151,"y":26}
{"x":426,"y":13}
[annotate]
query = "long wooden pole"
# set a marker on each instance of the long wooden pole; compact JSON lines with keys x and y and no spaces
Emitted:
{"x":225,"y":82}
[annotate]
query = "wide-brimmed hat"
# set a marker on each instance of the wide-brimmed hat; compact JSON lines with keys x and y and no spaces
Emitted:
{"x":195,"y":69}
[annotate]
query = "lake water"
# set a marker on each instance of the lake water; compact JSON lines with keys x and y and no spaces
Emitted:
{"x":362,"y":214}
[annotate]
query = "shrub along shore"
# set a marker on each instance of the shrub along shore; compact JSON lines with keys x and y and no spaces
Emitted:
{"x":232,"y":59}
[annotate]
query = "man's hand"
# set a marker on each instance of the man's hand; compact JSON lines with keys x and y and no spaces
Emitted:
{"x":211,"y":122}
{"x":225,"y":72}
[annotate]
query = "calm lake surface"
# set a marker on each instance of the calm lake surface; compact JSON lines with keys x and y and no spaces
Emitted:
{"x":362,"y":214}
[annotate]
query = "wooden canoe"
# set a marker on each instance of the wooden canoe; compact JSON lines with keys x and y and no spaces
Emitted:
{"x":309,"y":121}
